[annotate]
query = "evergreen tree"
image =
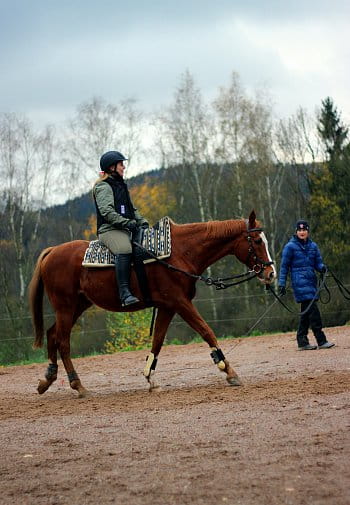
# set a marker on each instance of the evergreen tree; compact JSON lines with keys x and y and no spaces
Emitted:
{"x":330,"y":185}
{"x":333,"y":133}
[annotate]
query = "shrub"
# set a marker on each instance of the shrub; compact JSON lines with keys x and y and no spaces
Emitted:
{"x":128,"y":330}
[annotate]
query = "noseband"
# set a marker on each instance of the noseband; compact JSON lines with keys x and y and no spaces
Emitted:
{"x":259,"y":264}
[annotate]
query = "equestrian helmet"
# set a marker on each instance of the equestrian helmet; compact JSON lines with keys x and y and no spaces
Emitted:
{"x":110,"y":158}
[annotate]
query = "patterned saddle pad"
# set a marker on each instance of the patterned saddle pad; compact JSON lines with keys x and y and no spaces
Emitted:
{"x":157,"y":240}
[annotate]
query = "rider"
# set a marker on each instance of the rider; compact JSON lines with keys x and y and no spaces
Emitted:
{"x":301,"y":256}
{"x":117,"y":219}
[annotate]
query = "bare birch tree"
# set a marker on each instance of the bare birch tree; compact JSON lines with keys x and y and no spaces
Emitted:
{"x":25,"y":164}
{"x":269,"y":176}
{"x":97,"y":126}
{"x":186,"y":127}
{"x":244,"y":126}
{"x":231,"y":108}
{"x":297,"y":149}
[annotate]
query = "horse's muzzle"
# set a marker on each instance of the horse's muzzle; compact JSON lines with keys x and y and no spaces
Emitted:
{"x":267,"y":275}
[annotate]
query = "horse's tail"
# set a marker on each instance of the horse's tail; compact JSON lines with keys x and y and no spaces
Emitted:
{"x":36,"y":296}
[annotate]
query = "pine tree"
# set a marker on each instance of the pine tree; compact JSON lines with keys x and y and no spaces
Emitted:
{"x":330,"y":186}
{"x":333,"y":133}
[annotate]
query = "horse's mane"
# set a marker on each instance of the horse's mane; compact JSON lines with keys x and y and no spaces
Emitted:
{"x":215,"y":229}
{"x":229,"y":228}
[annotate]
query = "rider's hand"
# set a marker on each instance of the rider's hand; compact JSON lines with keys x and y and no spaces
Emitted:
{"x":144,"y":225}
{"x":323,"y":269}
{"x":281,"y":290}
{"x":131,"y":225}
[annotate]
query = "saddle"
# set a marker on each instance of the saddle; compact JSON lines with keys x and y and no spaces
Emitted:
{"x":156,"y":240}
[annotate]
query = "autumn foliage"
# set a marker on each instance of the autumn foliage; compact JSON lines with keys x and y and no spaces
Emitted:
{"x":154,"y":201}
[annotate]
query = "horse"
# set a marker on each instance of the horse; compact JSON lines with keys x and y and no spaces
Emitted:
{"x":72,"y":288}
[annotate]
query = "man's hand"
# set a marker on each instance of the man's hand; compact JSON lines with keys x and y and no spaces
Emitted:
{"x":281,"y":290}
{"x":324,"y":269}
{"x":144,"y":225}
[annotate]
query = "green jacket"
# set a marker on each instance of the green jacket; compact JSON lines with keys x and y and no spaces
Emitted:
{"x":104,"y":199}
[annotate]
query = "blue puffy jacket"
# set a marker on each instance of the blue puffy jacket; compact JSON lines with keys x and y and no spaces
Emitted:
{"x":301,"y":259}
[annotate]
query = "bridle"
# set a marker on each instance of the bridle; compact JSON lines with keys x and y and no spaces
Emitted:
{"x":219,"y":283}
{"x":259,"y":264}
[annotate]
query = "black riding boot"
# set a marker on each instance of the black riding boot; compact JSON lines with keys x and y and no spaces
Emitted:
{"x":141,"y":275}
{"x":122,"y":269}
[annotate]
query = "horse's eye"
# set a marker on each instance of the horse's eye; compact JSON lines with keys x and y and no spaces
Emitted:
{"x":258,"y":241}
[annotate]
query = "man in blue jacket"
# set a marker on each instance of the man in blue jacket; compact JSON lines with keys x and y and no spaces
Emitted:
{"x":301,"y":257}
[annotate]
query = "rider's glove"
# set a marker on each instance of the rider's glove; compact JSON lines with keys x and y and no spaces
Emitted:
{"x":281,"y":290}
{"x":144,"y":225}
{"x":323,"y":269}
{"x":131,"y":225}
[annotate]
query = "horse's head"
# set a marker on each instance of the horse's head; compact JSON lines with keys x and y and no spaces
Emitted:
{"x":254,"y":252}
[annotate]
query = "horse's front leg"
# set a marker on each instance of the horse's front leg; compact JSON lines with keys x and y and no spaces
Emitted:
{"x":190,"y":314}
{"x":161,"y":325}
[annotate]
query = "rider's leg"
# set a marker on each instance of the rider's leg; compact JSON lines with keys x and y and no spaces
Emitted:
{"x":119,"y":243}
{"x":123,"y":269}
{"x":141,"y":274}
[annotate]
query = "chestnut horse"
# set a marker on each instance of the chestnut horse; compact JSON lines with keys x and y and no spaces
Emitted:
{"x":72,"y":288}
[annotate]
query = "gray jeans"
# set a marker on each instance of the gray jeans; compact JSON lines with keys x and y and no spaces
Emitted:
{"x":117,"y":241}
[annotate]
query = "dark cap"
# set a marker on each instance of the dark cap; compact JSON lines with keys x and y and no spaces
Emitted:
{"x":302,"y":225}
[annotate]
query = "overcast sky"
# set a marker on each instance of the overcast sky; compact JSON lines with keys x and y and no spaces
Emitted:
{"x":56,"y":54}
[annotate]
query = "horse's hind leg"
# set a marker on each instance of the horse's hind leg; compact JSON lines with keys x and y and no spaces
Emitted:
{"x":74,"y":381}
{"x":58,"y":338}
{"x":51,"y":372}
{"x":190,"y":314}
{"x":160,"y":328}
{"x":65,"y":321}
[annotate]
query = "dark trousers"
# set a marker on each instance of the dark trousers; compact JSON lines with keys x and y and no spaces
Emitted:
{"x":312,"y":319}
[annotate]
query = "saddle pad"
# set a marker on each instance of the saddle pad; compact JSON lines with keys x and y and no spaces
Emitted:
{"x":157,"y":240}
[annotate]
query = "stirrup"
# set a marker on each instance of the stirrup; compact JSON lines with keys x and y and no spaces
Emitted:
{"x":129,"y":300}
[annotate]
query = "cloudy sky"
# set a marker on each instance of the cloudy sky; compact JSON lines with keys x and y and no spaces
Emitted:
{"x":56,"y":54}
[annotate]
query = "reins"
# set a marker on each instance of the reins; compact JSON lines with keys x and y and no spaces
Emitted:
{"x":341,"y":286}
{"x":219,"y":282}
{"x":321,"y":285}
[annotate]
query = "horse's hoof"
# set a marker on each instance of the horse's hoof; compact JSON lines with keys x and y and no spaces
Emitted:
{"x":43,"y":386}
{"x":234,"y":381}
{"x":83,"y":393}
{"x":155,"y":389}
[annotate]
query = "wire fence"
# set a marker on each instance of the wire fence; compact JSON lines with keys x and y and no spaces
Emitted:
{"x":284,"y":317}
{"x":91,"y":310}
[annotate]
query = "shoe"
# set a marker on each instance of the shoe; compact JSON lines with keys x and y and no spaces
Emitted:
{"x":326,"y":345}
{"x":307,"y":347}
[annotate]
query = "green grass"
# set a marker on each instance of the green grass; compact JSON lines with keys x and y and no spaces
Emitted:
{"x":29,"y":361}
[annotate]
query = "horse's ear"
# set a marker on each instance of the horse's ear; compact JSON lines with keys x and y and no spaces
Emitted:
{"x":252,"y":217}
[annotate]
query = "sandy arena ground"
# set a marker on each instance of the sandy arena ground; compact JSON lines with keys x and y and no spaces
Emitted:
{"x":282,"y":438}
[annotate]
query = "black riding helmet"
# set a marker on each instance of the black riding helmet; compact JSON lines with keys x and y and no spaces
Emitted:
{"x":110,"y":158}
